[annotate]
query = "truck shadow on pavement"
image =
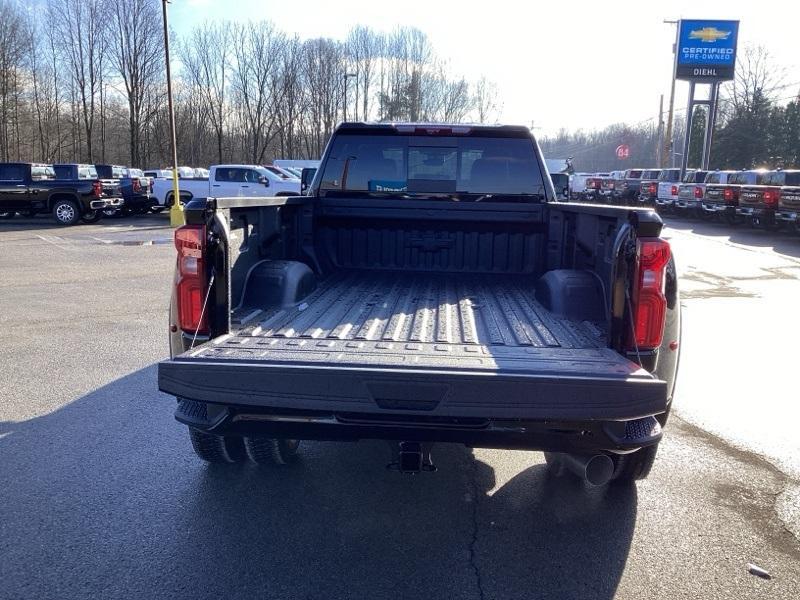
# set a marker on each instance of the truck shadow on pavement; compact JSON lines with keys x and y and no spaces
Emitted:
{"x":104,"y":498}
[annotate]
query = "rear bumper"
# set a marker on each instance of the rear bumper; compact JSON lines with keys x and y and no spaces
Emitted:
{"x":555,"y":436}
{"x":787,"y":216}
{"x":685,"y":204}
{"x":141,"y":201}
{"x":102,"y":203}
{"x":718,"y":207}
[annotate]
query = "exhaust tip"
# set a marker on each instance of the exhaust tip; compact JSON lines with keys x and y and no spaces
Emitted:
{"x":599,"y":469}
{"x":594,"y":469}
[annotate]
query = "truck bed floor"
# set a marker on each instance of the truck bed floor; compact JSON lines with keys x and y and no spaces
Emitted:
{"x":423,"y":320}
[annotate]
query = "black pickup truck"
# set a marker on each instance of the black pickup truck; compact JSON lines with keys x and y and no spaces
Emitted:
{"x":428,"y":288}
{"x":630,"y":185}
{"x":131,"y":185}
{"x":648,"y":186}
{"x":31,"y":188}
{"x":721,"y":199}
{"x":760,"y":204}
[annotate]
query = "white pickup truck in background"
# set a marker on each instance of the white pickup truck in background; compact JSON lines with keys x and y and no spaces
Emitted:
{"x":226,"y":181}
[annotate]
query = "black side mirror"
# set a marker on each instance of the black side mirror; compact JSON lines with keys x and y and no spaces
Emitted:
{"x":265,"y":180}
{"x":306,"y":177}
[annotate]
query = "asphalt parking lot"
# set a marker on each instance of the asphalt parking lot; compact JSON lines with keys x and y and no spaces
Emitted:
{"x":102,"y":496}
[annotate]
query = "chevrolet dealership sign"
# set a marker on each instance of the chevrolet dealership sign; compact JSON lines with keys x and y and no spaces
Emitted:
{"x":706,"y":50}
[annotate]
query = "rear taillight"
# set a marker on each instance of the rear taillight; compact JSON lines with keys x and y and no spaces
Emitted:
{"x":611,"y":185}
{"x":137,"y":187}
{"x":674,"y":191}
{"x":151,"y":186}
{"x":649,"y":300}
{"x":191,"y":285}
{"x":97,"y":189}
{"x":728,"y":194}
{"x":652,"y":188}
{"x":698,"y":192}
{"x":771,"y":197}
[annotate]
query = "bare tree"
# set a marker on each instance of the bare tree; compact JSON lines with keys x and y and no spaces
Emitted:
{"x":12,"y":50}
{"x":258,"y":51}
{"x":292,"y":108}
{"x":82,"y":81}
{"x":323,"y":64}
{"x":485,"y":101}
{"x":364,"y":47}
{"x":83,"y":27}
{"x":206,"y":57}
{"x":137,"y":52}
{"x":755,"y":76}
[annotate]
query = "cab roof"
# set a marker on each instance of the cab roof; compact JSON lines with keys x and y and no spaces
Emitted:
{"x":423,"y":128}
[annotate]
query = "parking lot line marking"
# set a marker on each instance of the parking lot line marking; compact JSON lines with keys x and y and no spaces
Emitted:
{"x":47,"y":239}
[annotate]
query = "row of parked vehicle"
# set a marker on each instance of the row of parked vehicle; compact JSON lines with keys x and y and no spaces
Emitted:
{"x":229,"y":180}
{"x":74,"y":192}
{"x":769,"y":199}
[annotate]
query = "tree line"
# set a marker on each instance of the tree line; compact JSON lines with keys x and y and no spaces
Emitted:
{"x":758,"y":125}
{"x":84,"y":80}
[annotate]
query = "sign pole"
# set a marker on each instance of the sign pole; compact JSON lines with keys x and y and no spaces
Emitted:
{"x":712,"y":117}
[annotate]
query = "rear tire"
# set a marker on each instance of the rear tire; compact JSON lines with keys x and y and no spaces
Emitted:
{"x":93,"y":216}
{"x":731,"y":220}
{"x":66,"y":213}
{"x":268,"y":451}
{"x":217,"y":449}
{"x":635,"y":466}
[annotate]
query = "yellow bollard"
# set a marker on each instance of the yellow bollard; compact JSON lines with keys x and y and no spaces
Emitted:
{"x":176,"y":217}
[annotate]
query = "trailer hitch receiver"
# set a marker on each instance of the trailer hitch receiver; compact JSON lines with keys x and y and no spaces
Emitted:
{"x":411,"y":457}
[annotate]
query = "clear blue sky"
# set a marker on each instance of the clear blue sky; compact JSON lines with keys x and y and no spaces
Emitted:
{"x":555,"y":64}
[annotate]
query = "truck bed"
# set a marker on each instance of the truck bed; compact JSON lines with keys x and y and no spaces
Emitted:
{"x":451,"y":343}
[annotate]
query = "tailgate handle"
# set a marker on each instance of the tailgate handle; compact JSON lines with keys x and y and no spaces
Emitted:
{"x":405,"y":395}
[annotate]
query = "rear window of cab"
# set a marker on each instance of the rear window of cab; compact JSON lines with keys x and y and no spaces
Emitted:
{"x":782,"y":178}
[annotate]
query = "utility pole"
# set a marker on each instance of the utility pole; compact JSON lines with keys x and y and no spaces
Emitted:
{"x":176,"y":211}
{"x":667,"y":152}
{"x":660,"y":137}
{"x":344,"y":99}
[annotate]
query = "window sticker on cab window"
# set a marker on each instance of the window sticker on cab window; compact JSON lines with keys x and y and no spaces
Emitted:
{"x":382,"y":185}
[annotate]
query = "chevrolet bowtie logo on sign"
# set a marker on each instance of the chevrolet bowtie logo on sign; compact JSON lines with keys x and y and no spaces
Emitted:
{"x":709,"y":34}
{"x":706,"y":50}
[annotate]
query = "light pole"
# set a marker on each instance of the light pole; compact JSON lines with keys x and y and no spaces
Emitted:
{"x":346,"y":76}
{"x":668,"y":136}
{"x":176,"y":211}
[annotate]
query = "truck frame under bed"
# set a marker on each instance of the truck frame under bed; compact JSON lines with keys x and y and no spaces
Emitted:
{"x":383,"y":342}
